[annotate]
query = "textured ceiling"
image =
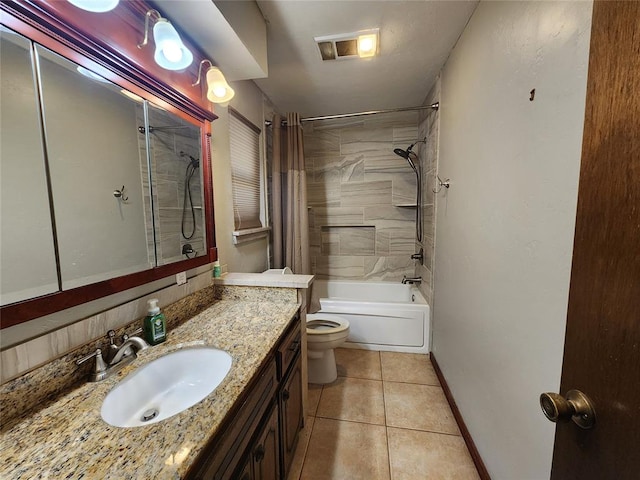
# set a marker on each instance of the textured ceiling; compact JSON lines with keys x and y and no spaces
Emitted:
{"x":415,"y":40}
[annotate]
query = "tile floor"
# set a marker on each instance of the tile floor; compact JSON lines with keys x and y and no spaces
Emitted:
{"x":384,"y":418}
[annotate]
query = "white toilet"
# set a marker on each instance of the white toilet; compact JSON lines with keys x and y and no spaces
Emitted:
{"x":325,"y":332}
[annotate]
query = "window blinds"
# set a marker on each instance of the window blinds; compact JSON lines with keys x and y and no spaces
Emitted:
{"x":245,"y":172}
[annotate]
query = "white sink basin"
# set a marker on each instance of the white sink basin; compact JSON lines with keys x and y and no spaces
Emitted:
{"x":165,"y":387}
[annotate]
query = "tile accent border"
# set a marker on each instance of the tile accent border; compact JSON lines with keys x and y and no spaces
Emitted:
{"x":471,"y":446}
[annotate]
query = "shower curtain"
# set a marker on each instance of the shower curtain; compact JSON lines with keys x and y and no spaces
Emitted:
{"x":289,"y":183}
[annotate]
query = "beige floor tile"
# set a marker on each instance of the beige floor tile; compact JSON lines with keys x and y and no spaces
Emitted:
{"x":418,"y":407}
{"x":358,"y":363}
{"x":408,"y":367}
{"x":314,"y":397}
{"x":354,"y":399}
{"x":301,"y":450}
{"x":341,"y":450}
{"x":414,"y":455}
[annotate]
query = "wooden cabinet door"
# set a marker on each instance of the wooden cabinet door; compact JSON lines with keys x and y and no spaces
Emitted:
{"x":291,"y":416}
{"x":266,"y":450}
{"x":602,"y":344}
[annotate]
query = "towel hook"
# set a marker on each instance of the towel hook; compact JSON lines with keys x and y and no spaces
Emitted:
{"x":120,"y":194}
{"x":441,"y":183}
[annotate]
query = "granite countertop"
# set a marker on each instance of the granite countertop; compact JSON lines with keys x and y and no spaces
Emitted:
{"x":68,"y":439}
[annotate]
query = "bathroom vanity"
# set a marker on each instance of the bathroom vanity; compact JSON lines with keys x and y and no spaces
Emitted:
{"x":247,"y":428}
{"x":260,"y":434}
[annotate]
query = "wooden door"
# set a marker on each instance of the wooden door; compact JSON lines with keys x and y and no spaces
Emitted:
{"x":602,"y":348}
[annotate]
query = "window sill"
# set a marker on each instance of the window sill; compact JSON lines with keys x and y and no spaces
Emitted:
{"x":249,"y":235}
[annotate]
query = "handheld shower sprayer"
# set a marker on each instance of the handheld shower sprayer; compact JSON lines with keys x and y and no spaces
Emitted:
{"x":194,"y":164}
{"x":406,"y":154}
{"x":410,"y":156}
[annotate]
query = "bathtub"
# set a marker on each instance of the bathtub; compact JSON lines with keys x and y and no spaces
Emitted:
{"x":382,"y":315}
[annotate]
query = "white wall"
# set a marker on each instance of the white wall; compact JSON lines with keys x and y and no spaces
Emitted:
{"x":251,"y":256}
{"x":504,"y":229}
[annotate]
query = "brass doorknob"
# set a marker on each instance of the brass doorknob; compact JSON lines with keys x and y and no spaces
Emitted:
{"x":576,"y":406}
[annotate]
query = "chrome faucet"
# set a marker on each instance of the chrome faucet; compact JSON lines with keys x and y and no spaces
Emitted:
{"x":125,"y":349}
{"x":120,"y":356}
{"x":411,"y":280}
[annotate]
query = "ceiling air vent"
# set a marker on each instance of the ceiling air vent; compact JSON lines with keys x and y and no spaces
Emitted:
{"x":349,"y":45}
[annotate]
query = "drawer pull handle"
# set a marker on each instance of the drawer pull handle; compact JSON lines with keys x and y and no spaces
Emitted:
{"x":258,"y":454}
{"x":295,"y":346}
{"x":285,"y":395}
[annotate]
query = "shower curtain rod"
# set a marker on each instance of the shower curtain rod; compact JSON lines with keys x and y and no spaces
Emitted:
{"x":433,"y":106}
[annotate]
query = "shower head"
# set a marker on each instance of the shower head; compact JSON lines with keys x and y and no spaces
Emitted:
{"x":406,"y":154}
{"x":402,"y":153}
{"x":194,"y":161}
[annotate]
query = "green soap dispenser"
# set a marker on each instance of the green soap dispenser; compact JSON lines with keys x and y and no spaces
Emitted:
{"x":155,"y":325}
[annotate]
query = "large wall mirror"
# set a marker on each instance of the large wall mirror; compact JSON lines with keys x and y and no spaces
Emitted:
{"x":27,"y":259}
{"x":97,"y":183}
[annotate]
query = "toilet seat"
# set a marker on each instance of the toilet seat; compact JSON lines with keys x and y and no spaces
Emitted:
{"x":326,"y":331}
{"x":324,"y":326}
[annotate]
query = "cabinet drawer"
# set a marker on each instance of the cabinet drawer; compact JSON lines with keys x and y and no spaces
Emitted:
{"x":289,"y":347}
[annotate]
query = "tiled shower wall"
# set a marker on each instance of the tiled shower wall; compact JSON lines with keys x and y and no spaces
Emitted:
{"x":361,"y":197}
{"x":429,"y":128}
{"x":168,"y":172}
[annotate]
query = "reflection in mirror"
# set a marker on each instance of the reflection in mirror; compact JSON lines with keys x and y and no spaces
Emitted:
{"x":175,"y":154}
{"x":27,"y":260}
{"x":93,"y":149}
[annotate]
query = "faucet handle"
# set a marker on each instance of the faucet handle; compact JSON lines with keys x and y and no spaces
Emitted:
{"x":101,"y":366}
{"x":112,"y":336}
{"x":126,"y":336}
{"x":136,"y":332}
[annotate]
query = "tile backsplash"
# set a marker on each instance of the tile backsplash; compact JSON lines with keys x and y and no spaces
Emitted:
{"x":17,"y":360}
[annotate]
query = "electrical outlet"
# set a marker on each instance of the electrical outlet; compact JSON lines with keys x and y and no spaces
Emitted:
{"x":181,"y":278}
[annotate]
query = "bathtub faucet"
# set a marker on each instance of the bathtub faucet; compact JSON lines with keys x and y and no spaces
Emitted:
{"x":411,"y":280}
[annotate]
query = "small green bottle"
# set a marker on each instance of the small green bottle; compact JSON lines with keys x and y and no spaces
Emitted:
{"x":155,"y":327}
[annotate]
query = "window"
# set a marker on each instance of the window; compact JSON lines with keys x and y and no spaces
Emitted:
{"x":246,"y":178}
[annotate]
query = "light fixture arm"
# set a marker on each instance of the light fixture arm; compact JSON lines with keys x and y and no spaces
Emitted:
{"x":147,"y":18}
{"x":200,"y":71}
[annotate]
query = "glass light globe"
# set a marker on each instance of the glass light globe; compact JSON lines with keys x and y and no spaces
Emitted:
{"x":96,"y":6}
{"x":170,"y":52}
{"x":218,"y":90}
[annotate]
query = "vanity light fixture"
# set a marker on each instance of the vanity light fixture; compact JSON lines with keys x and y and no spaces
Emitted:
{"x":171,"y":53}
{"x":95,"y":6}
{"x":218,"y":90}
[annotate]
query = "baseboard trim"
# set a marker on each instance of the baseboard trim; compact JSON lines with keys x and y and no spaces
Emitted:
{"x":471,"y":446}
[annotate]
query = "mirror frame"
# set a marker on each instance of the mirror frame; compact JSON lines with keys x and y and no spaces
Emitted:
{"x":107,"y":44}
